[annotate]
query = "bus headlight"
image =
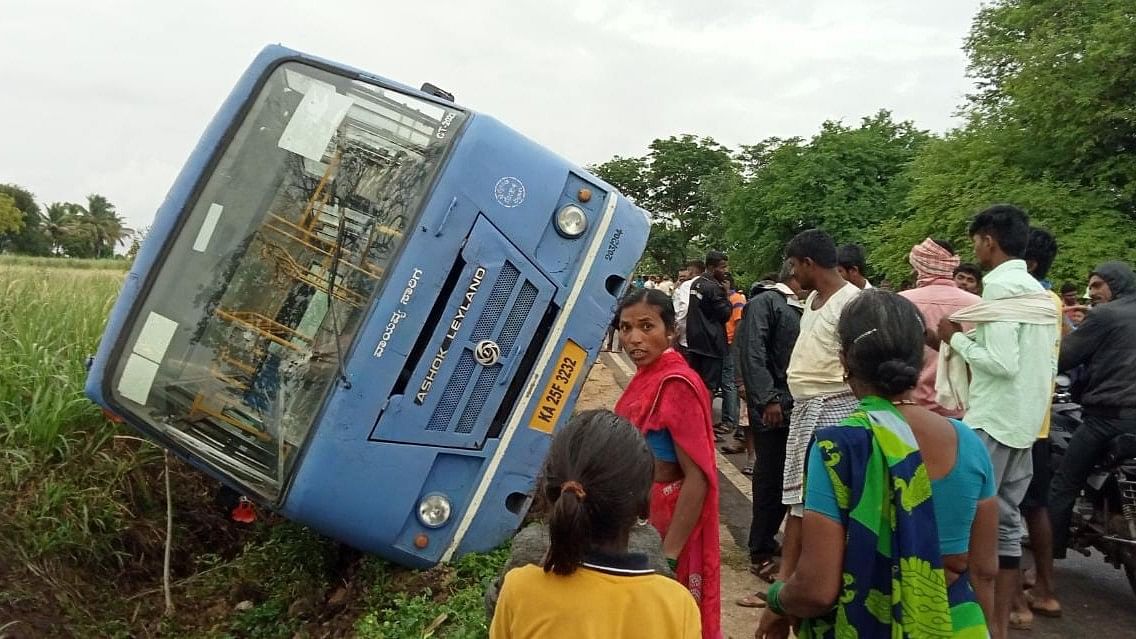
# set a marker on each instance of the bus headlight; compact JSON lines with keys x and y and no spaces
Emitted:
{"x":434,"y":510}
{"x":571,"y":222}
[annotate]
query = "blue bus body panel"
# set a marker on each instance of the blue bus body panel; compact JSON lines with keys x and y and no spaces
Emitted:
{"x":339,"y":473}
{"x":390,"y":439}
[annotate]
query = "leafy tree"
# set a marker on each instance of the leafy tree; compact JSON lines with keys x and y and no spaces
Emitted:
{"x":1052,"y":128}
{"x":968,"y":171}
{"x":629,"y":175}
{"x":845,"y":180}
{"x":11,"y":217}
{"x":1057,"y":78}
{"x":755,"y":157}
{"x":28,"y":239}
{"x":78,"y":241}
{"x":676,"y":183}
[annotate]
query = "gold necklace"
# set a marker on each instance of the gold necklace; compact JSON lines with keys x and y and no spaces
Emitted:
{"x":904,"y":402}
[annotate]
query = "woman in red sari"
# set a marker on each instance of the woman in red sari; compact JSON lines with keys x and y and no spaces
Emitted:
{"x":667,"y":401}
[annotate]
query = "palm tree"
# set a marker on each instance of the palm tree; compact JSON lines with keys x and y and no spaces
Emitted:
{"x":99,"y":224}
{"x":58,"y":223}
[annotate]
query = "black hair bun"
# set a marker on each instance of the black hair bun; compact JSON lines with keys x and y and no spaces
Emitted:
{"x":895,"y":376}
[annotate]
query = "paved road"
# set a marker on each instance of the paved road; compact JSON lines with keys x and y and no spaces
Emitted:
{"x":1097,"y":600}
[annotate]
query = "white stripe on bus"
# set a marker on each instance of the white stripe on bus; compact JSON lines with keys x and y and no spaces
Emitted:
{"x":551,"y":347}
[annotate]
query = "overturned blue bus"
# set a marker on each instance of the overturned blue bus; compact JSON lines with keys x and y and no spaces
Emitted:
{"x":367,"y":308}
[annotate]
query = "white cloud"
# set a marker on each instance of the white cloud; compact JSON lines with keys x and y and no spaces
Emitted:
{"x":110,"y":97}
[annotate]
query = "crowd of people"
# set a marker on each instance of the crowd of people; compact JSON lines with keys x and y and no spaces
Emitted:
{"x":898,"y":445}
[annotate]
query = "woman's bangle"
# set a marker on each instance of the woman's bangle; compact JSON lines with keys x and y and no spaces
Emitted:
{"x":773,"y":597}
{"x":673,"y":564}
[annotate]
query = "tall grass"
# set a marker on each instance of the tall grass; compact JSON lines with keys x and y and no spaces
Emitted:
{"x":62,"y":480}
{"x":64,"y":262}
{"x":50,"y":321}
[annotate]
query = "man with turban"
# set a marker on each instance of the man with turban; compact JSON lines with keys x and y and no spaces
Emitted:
{"x":936,"y":296}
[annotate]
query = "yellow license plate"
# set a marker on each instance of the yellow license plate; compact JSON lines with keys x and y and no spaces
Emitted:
{"x":566,"y":372}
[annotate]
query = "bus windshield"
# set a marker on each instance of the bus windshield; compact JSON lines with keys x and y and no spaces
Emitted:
{"x":241,"y":330}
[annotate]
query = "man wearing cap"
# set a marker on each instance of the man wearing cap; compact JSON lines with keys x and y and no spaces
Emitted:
{"x":1105,"y":344}
{"x":936,"y":296}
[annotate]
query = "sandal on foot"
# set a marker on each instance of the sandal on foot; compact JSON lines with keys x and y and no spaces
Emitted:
{"x":1038,"y":609}
{"x":766,"y":570}
{"x":1021,"y":620}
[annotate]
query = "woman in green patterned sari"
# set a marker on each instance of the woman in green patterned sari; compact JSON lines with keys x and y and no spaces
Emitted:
{"x":900,"y":528}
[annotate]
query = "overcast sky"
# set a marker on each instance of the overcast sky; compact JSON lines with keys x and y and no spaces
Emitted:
{"x":110,"y":96}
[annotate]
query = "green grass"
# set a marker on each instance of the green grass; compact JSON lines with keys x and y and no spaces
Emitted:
{"x":452,"y":606}
{"x":82,"y":513}
{"x":50,"y":322}
{"x":69,"y":484}
{"x":64,"y":262}
{"x":61,"y":472}
{"x":288,"y":564}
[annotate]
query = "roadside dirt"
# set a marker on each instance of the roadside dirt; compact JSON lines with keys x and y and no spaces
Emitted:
{"x":601,"y":390}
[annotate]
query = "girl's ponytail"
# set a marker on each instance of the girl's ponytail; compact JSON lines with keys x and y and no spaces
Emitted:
{"x":569,"y":528}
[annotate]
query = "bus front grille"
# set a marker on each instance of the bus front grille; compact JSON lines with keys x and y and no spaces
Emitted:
{"x":485,"y":383}
{"x":509,"y":305}
{"x":444,"y":412}
{"x":502,"y":289}
{"x":517,"y":317}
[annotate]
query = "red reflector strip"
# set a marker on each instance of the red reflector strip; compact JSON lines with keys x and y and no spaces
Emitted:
{"x":112,"y":417}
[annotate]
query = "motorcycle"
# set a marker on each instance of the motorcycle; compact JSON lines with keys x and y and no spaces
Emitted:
{"x":1104,"y":517}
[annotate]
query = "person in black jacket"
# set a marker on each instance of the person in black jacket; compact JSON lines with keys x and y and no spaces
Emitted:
{"x":707,"y":311}
{"x":1105,"y":344}
{"x":765,"y":338}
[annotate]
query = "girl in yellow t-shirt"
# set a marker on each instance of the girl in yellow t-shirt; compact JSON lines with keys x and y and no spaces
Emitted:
{"x":596,"y":484}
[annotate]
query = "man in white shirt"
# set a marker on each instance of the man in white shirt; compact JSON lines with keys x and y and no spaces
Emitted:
{"x":693,"y":271}
{"x":1012,"y":364}
{"x":667,"y":286}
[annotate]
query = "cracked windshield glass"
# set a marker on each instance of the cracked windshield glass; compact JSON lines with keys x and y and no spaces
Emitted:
{"x":242,"y":331}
